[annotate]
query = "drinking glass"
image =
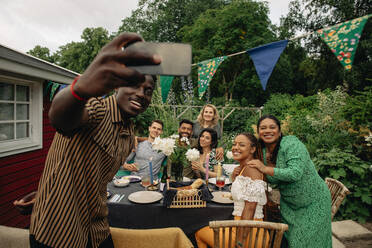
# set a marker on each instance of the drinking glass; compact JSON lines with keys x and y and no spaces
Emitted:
{"x":145,"y":181}
{"x":220,"y":182}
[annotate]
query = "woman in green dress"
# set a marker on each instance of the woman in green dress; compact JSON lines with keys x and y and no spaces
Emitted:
{"x":305,"y":203}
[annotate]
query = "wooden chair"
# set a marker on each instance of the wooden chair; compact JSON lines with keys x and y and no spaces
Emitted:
{"x":170,"y":237}
{"x":338,"y":193}
{"x":272,"y":233}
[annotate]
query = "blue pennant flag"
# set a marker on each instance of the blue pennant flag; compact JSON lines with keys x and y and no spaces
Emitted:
{"x":62,"y":87}
{"x":265,"y":58}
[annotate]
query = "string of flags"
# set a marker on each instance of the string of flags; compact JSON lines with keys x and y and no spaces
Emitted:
{"x":341,"y":38}
{"x":50,"y":89}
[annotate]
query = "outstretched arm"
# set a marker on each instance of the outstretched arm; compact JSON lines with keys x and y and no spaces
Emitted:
{"x":107,"y":72}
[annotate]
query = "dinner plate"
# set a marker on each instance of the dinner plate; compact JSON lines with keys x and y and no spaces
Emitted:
{"x":145,"y":197}
{"x":213,"y":181}
{"x":133,"y":178}
{"x":222,"y":197}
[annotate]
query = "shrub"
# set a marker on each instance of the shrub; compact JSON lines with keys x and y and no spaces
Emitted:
{"x":354,"y":173}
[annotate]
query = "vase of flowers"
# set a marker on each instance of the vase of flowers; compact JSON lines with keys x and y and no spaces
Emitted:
{"x":175,"y":149}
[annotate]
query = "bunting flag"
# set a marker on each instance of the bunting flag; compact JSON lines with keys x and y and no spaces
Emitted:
{"x":62,"y":87}
{"x":165,"y":85}
{"x":206,"y":70}
{"x":343,"y":39}
{"x":265,"y":58}
{"x":51,"y":89}
{"x":48,"y":85}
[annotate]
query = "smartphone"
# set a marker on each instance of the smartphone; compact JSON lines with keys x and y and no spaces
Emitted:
{"x":176,"y":58}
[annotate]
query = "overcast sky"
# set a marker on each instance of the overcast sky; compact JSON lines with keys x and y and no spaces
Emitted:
{"x":25,"y":24}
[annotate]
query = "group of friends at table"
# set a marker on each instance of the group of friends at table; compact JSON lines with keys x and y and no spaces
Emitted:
{"x":95,"y":138}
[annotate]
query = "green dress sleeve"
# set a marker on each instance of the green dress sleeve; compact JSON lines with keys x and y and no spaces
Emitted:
{"x":290,"y":163}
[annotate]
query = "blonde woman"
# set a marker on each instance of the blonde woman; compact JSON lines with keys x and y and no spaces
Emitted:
{"x":207,"y":118}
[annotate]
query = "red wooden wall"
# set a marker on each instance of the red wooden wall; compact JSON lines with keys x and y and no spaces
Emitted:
{"x":20,"y":174}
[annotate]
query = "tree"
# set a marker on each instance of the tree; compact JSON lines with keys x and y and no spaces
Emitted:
{"x":43,"y":53}
{"x":236,"y":27}
{"x":160,"y":20}
{"x":77,"y":56}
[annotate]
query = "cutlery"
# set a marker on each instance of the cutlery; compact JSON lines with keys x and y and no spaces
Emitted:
{"x":121,"y":197}
{"x":114,"y":198}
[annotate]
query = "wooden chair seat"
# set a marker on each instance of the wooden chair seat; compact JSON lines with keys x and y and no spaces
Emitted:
{"x":267,"y":234}
{"x":172,"y":237}
{"x":338,"y":193}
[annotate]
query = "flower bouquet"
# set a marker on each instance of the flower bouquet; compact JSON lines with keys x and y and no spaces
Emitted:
{"x":178,"y":152}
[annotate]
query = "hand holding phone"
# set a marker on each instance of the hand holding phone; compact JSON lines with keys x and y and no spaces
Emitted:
{"x":175,"y":58}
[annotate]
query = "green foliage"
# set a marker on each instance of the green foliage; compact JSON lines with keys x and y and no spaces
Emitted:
{"x":236,"y":27}
{"x":160,"y":20}
{"x":354,"y":173}
{"x":43,"y":53}
{"x":358,"y":109}
{"x":319,"y":121}
{"x":77,"y":56}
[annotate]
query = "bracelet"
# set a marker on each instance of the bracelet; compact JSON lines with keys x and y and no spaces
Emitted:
{"x":76,"y":96}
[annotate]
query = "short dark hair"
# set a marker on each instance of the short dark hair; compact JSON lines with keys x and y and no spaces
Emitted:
{"x":187,"y":122}
{"x":214,"y":141}
{"x":158,"y":121}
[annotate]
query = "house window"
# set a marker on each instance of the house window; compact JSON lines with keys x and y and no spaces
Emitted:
{"x":20,"y":116}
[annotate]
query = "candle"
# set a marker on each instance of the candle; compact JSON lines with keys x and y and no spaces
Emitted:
{"x":206,"y":167}
{"x":151,"y":176}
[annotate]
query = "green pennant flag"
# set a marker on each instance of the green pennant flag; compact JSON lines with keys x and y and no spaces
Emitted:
{"x":47,"y":87}
{"x":206,"y":70}
{"x":343,"y":39}
{"x":55,"y":86}
{"x":165,"y":85}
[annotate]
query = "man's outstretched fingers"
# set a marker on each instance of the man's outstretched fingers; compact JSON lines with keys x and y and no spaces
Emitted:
{"x":125,"y":39}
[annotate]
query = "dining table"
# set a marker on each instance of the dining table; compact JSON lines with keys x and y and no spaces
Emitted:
{"x":127,"y":214}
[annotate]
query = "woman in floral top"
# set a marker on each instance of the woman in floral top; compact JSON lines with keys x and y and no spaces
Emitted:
{"x":305,"y":202}
{"x":207,"y":143}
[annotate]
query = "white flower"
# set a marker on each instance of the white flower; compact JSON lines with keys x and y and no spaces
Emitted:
{"x":229,"y":155}
{"x":192,"y":154}
{"x":174,"y":136}
{"x":368,"y":139}
{"x":166,"y":145}
{"x":185,"y":140}
{"x":156,"y":144}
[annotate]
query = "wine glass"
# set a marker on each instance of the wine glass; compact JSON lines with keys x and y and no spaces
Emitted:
{"x":145,"y":181}
{"x":220,"y":182}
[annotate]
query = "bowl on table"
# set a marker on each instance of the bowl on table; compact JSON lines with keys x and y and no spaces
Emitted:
{"x":122,"y":182}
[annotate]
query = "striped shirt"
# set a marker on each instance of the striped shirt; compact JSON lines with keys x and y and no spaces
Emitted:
{"x":71,"y":200}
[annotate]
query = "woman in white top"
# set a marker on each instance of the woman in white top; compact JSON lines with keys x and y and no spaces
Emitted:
{"x":247,"y":190}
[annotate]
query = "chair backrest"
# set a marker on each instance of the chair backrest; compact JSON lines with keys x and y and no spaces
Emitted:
{"x":338,"y":193}
{"x":256,"y":233}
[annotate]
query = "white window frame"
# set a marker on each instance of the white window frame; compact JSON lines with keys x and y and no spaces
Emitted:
{"x":35,"y":141}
